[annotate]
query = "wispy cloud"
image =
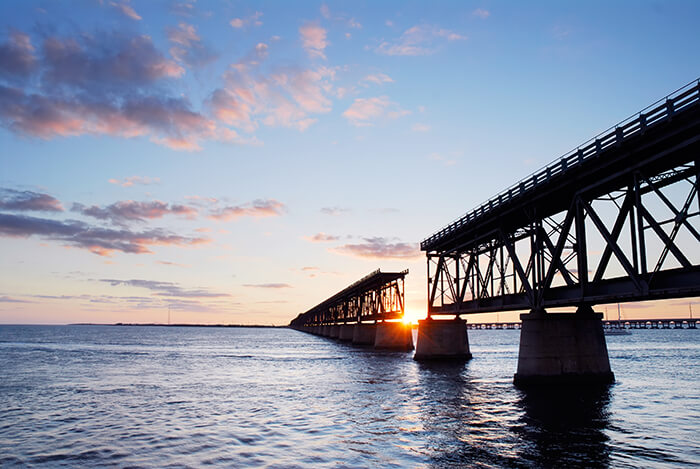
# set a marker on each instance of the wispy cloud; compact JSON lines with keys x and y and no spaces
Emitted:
{"x":259,"y":208}
{"x":380,"y":248}
{"x":339,"y":17}
{"x":253,"y":19}
{"x":418,"y":127}
{"x":321,"y":238}
{"x":267,"y":285}
{"x":283,"y":97}
{"x":166,"y":289}
{"x":126,"y":10}
{"x":129,"y":210}
{"x":419,"y":40}
{"x":481,"y":13}
{"x":135,"y":180}
{"x":378,"y":78}
{"x":20,"y":201}
{"x":187,"y":46}
{"x":7,"y":299}
{"x":101,"y":241}
{"x":334,"y":211}
{"x":313,"y":39}
{"x":442,"y":159}
{"x":365,"y":110}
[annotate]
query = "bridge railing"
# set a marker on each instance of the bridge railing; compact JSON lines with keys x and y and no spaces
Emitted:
{"x":638,"y":123}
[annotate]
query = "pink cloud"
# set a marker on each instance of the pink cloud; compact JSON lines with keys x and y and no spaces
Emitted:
{"x":285,"y":97}
{"x":260,"y":208}
{"x":126,"y":10}
{"x":188,"y":47}
{"x":313,"y":39}
{"x":418,"y":40}
{"x":98,"y":240}
{"x":364,"y":110}
{"x":169,"y":121}
{"x":134,"y":180}
{"x":380,"y":248}
{"x":418,"y":127}
{"x":481,"y":13}
{"x":321,"y":238}
{"x":268,"y":285}
{"x":378,"y":78}
{"x":14,"y":200}
{"x":130,"y":210}
{"x":253,"y":19}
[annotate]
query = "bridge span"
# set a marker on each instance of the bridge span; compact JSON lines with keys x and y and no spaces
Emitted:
{"x":368,"y":312}
{"x":614,"y":220}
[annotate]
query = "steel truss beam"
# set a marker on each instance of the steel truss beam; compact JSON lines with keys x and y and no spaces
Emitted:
{"x":625,"y":227}
{"x":377,"y":297}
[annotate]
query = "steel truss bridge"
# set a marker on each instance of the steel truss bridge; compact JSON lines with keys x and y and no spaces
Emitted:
{"x":376,"y":297}
{"x":614,"y":220}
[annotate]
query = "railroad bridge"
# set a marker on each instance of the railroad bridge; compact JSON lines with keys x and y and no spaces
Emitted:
{"x":614,"y":220}
{"x":368,"y":312}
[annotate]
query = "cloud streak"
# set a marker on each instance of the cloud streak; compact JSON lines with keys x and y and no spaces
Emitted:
{"x":363,"y":111}
{"x":259,"y":208}
{"x":101,"y":241}
{"x":129,"y":210}
{"x":273,"y":286}
{"x":134,"y":180}
{"x":187,"y":46}
{"x":379,"y":248}
{"x":166,"y":289}
{"x":21,"y":201}
{"x":321,"y":238}
{"x":419,"y":40}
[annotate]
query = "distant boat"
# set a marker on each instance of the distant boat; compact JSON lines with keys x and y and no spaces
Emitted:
{"x":620,"y":331}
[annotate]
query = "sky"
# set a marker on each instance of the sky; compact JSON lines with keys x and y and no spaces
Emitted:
{"x":239,"y":162}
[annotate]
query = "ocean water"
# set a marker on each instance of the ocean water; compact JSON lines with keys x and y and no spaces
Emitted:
{"x":111,"y":396}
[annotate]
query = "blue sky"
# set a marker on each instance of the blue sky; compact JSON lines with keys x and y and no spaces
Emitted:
{"x":241,"y":161}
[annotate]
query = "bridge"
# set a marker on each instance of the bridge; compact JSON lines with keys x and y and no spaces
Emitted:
{"x":368,"y":312}
{"x":614,"y":220}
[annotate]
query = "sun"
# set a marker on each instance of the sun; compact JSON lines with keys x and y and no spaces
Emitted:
{"x":411,"y":316}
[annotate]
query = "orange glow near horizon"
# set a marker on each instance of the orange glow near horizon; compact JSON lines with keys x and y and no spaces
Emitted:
{"x":411,"y":316}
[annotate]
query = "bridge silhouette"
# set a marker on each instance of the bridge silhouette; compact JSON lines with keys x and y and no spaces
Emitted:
{"x":614,"y":220}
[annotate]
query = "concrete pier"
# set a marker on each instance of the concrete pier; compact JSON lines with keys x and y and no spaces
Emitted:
{"x":394,"y":336}
{"x":346,"y":332}
{"x":566,"y":348}
{"x":446,"y":339}
{"x":326,"y":331}
{"x":363,"y":334}
{"x":334,"y":331}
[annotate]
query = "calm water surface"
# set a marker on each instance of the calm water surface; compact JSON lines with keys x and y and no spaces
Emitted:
{"x":93,"y":396}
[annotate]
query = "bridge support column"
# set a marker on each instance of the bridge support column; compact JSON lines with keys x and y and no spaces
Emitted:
{"x":363,"y":334}
{"x":393,"y":335}
{"x":562,"y":349}
{"x":442,"y":340}
{"x":346,"y":331}
{"x":334,"y":331}
{"x":326,"y":331}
